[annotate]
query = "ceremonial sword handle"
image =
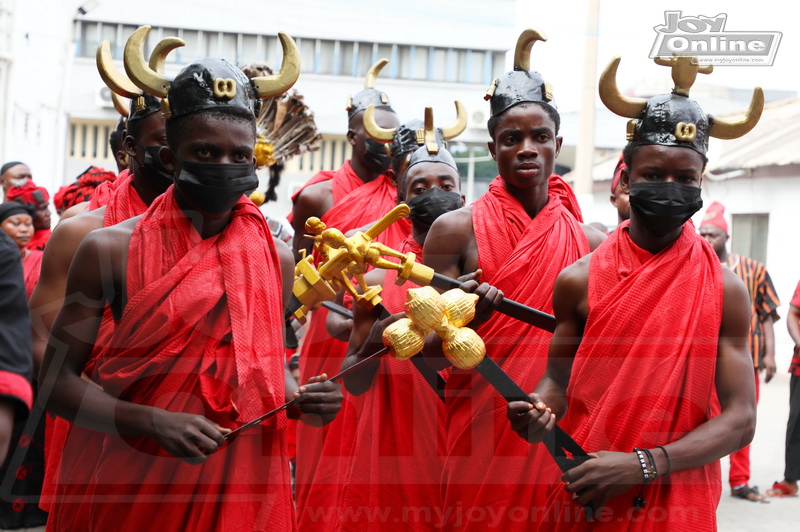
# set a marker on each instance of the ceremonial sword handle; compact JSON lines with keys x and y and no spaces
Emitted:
{"x":511,"y":308}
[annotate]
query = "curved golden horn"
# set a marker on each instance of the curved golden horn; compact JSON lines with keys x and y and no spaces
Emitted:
{"x":723,"y":129}
{"x":277,"y":84}
{"x":120,"y":104}
{"x":372,"y":128}
{"x":161,"y":51}
{"x":112,"y":77}
{"x":429,"y":133}
{"x":140,"y":72}
{"x":613,"y":99}
{"x":522,"y":53}
{"x":374,"y":70}
{"x":460,"y":124}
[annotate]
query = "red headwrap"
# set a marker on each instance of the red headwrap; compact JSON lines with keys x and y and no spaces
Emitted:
{"x":82,"y":189}
{"x":715,"y":216}
{"x":28,"y":194}
{"x":617,"y":173}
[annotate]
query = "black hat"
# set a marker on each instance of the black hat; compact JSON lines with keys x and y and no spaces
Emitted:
{"x":675,"y":119}
{"x":522,"y":84}
{"x":369,"y":95}
{"x":11,"y":208}
{"x":208,"y":83}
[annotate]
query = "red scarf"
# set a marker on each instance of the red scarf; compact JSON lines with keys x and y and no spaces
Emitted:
{"x":644,"y":373}
{"x":487,"y":465}
{"x":39,"y":239}
{"x":396,"y":462}
{"x":322,"y":453}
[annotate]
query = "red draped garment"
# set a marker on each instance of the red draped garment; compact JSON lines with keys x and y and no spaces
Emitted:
{"x":201,"y":333}
{"x":490,"y":473}
{"x":644,"y":376}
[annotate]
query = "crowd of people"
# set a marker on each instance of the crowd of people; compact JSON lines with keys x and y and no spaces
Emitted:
{"x":146,"y":329}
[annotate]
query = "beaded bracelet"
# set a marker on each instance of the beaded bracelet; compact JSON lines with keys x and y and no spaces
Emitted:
{"x":645,"y":472}
{"x":666,"y":455}
{"x":653,"y":469}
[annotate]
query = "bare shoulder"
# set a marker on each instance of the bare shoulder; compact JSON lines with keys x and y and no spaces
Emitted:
{"x":571,"y":291}
{"x":735,"y":292}
{"x":75,"y":210}
{"x":314,"y":200}
{"x":576,"y":274}
{"x":594,"y":236}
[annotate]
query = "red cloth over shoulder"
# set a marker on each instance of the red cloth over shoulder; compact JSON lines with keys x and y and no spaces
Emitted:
{"x":201,"y":333}
{"x":103,"y":192}
{"x":644,"y":375}
{"x":488,"y":465}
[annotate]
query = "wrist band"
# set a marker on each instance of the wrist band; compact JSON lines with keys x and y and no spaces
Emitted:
{"x":666,"y":455}
{"x":653,"y":469}
{"x":645,"y":472}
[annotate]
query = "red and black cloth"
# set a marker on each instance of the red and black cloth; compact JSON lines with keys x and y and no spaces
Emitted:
{"x":82,"y":189}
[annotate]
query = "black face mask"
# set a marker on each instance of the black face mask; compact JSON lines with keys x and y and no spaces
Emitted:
{"x":376,"y":155}
{"x":216,"y":187}
{"x":151,"y":168}
{"x":663,"y":207}
{"x":433,"y":203}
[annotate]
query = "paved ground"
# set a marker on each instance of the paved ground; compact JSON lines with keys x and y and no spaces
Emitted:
{"x":766,"y":456}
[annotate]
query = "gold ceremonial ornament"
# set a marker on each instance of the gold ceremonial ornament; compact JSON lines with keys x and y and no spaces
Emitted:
{"x":258,"y":198}
{"x":684,"y":73}
{"x":155,"y":83}
{"x":121,"y":86}
{"x":445,"y":314}
{"x":341,"y":258}
{"x":263,"y":153}
{"x":426,"y":136}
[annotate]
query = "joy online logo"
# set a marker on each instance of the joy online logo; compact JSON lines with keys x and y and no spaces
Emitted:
{"x":706,"y":39}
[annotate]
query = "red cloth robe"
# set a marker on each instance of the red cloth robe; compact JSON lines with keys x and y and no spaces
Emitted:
{"x":392,"y":480}
{"x":201,"y":333}
{"x":489,"y":471}
{"x":102,"y":194}
{"x":67,"y":481}
{"x":31,"y":267}
{"x":322,"y":452}
{"x":644,"y":376}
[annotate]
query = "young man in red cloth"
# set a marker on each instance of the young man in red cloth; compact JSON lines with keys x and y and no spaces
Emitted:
{"x":518,"y":236}
{"x":651,"y":331}
{"x":764,"y":305}
{"x":112,"y":202}
{"x":38,"y":200}
{"x":392,"y":480}
{"x":351,"y":197}
{"x":197,"y":348}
